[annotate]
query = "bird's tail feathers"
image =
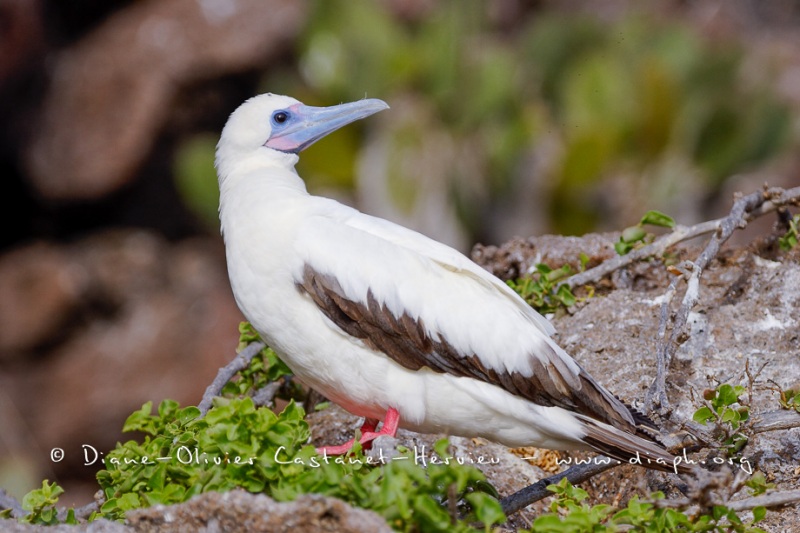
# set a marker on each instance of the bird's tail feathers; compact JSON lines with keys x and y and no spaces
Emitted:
{"x":629,"y":448}
{"x":645,"y":427}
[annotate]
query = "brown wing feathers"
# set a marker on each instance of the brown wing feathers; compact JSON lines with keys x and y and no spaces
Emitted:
{"x":405,"y":340}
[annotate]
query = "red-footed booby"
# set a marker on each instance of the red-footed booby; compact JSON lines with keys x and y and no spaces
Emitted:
{"x":392,"y":325}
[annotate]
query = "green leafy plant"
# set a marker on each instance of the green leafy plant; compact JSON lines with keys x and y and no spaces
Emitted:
{"x":791,"y":237}
{"x":541,"y":289}
{"x":569,"y":514}
{"x":788,"y":398}
{"x":579,"y":516}
{"x":724,"y":407}
{"x":635,"y":236}
{"x":758,"y":484}
{"x":41,"y":506}
{"x":239,"y":445}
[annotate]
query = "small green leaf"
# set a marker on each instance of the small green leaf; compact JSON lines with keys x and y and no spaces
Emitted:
{"x":633,"y":234}
{"x":759,"y":513}
{"x":140,"y":420}
{"x":729,"y":415}
{"x":565,"y":296}
{"x":487,"y":509}
{"x":188,"y":414}
{"x":790,"y":239}
{"x":657,"y":218}
{"x":584,"y":261}
{"x":321,"y":406}
{"x":703,"y":415}
{"x":622,"y":247}
{"x":758,"y":483}
{"x":728,"y":395}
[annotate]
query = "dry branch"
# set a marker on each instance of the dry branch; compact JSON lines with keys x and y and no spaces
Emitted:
{"x":538,"y":491}
{"x":239,"y":363}
{"x":745,"y":209}
{"x":772,"y":499}
{"x":775,"y":421}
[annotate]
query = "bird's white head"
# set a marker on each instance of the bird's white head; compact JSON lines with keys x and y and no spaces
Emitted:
{"x":274,"y":129}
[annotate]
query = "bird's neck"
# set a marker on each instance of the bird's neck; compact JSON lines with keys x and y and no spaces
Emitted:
{"x":258,"y":189}
{"x":251,"y":173}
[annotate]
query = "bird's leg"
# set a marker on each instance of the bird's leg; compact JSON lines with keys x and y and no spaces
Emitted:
{"x":368,"y":434}
{"x":368,"y":427}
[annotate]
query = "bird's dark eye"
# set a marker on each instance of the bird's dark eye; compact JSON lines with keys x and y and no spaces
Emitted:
{"x":280,"y":117}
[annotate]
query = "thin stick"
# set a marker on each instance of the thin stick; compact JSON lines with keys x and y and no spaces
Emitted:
{"x":744,"y":209}
{"x":776,"y":197}
{"x":773,"y":499}
{"x":538,"y":491}
{"x":656,"y":248}
{"x":239,"y":363}
{"x":657,"y":398}
{"x":265,"y":395}
{"x":775,"y":421}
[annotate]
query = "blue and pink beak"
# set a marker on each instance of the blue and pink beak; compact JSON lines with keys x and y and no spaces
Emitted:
{"x":298,"y":126}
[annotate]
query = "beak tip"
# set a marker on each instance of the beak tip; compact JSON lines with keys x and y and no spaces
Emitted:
{"x":378,"y":103}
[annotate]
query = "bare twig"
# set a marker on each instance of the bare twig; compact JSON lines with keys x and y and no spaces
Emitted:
{"x":239,"y":363}
{"x":772,"y":499}
{"x":775,"y":421}
{"x":658,"y":396}
{"x":265,"y":395}
{"x":744,"y":209}
{"x":771,"y":199}
{"x":656,"y":248}
{"x":538,"y":491}
{"x":83,"y":512}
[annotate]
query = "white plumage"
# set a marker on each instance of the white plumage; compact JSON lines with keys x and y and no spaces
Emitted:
{"x":378,"y":317}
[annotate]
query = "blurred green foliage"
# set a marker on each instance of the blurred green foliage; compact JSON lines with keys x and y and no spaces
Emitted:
{"x":647,"y":101}
{"x":196,"y":178}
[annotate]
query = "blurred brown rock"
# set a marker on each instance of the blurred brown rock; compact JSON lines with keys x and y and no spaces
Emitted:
{"x":112,"y":91}
{"x":39,"y":292}
{"x":93,"y":330}
{"x":21,"y":37}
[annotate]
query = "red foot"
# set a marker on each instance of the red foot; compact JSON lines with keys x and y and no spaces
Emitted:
{"x":368,"y":434}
